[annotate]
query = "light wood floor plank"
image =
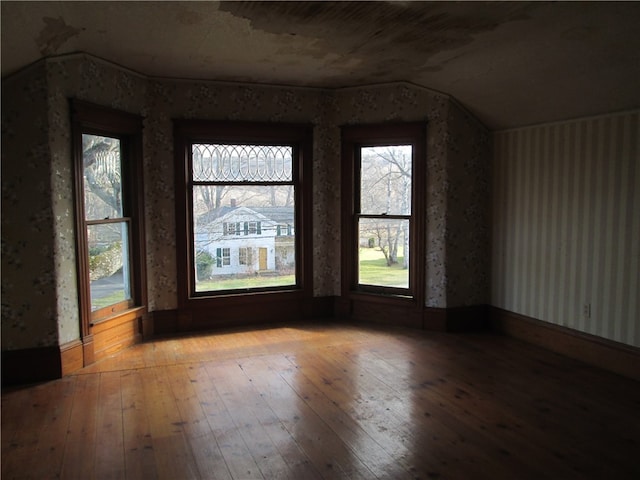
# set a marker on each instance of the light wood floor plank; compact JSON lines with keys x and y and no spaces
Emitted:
{"x":110,"y":459}
{"x":79,"y":452}
{"x":236,"y":391}
{"x":186,"y":381}
{"x":137,"y":443}
{"x":172,"y":452}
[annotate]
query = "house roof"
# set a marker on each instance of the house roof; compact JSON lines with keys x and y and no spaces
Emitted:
{"x":280,"y":215}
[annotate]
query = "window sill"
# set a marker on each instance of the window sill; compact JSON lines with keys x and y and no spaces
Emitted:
{"x":120,"y":317}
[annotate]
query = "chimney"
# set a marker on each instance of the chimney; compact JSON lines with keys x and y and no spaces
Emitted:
{"x":233,"y":202}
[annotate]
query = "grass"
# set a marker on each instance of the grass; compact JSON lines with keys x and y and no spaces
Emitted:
{"x":102,"y":302}
{"x":373,"y":270}
{"x":245,"y":282}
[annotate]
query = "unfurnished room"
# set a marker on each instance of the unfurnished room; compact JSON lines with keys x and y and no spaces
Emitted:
{"x":320,"y":240}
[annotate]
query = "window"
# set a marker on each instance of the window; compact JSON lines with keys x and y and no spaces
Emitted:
{"x":284,"y":230}
{"x":108,"y":167}
{"x":240,"y":181}
{"x":231,"y":229}
{"x":223,"y":257}
{"x":245,"y":256}
{"x":382,"y":211}
{"x":254,"y":228}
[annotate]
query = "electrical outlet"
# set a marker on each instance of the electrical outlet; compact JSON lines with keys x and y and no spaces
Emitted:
{"x":586,"y":310}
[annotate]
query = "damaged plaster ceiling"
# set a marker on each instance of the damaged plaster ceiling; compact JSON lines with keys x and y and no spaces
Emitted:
{"x":510,"y":63}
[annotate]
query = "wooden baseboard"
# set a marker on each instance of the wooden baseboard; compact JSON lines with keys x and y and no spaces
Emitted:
{"x":473,"y":318}
{"x":600,"y":352}
{"x":456,"y":319}
{"x":161,"y":322}
{"x":31,"y":365}
{"x":116,"y":333}
{"x":71,"y":357}
{"x":164,"y":321}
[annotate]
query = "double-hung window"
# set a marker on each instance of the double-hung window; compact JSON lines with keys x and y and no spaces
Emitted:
{"x":383,"y":198}
{"x":109,"y":212}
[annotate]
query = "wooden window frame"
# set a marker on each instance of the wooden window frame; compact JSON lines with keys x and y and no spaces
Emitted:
{"x":88,"y":118}
{"x":353,"y":138}
{"x":189,"y":132}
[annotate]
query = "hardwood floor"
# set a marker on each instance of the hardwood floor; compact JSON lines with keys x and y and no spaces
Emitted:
{"x":326,"y":402}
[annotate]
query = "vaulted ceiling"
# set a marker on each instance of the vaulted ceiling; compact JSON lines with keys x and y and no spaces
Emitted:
{"x":510,"y":63}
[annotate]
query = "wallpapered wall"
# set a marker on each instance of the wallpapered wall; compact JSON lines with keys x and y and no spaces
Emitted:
{"x":458,"y":158}
{"x":566,"y":224}
{"x":468,"y":192}
{"x":29,"y":311}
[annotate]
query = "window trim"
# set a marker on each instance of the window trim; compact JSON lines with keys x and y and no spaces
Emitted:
{"x":353,"y":138}
{"x":188,"y":132}
{"x":88,"y":118}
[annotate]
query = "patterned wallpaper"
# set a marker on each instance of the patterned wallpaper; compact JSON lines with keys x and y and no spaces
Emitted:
{"x":566,"y":224}
{"x":457,"y":160}
{"x":468,"y":210}
{"x":29,"y":313}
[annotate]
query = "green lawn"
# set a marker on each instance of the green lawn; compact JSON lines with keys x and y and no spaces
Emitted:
{"x":116,"y":297}
{"x":245,"y":282}
{"x":374,"y":270}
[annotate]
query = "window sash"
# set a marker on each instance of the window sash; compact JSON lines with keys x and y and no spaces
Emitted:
{"x":388,"y":191}
{"x":111,"y":285}
{"x":110,"y":274}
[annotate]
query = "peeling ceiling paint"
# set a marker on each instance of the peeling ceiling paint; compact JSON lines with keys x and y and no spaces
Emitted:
{"x":510,"y":63}
{"x":54,"y":34}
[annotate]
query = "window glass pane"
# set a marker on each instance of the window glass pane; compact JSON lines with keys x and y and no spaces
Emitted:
{"x":109,"y":272}
{"x":102,"y":177}
{"x":239,"y":239}
{"x":385,"y":180}
{"x":242,"y":163}
{"x":383,"y":253}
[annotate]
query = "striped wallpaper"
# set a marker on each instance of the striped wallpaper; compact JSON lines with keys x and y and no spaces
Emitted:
{"x":566,"y":224}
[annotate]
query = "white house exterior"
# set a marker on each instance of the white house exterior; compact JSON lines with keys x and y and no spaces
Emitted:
{"x":246,"y":241}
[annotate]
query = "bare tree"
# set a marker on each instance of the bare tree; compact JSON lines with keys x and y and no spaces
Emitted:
{"x":103,"y":178}
{"x":386,"y":190}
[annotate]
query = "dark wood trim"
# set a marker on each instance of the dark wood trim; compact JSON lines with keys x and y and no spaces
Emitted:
{"x":164,"y":321}
{"x":97,"y":119}
{"x":268,"y":311}
{"x":146,"y":325}
{"x":358,"y":307}
{"x":71,"y":357}
{"x":389,"y":311}
{"x":31,"y":365}
{"x":434,"y":319}
{"x":353,"y":136}
{"x":474,"y":318}
{"x":319,"y":307}
{"x":600,"y":352}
